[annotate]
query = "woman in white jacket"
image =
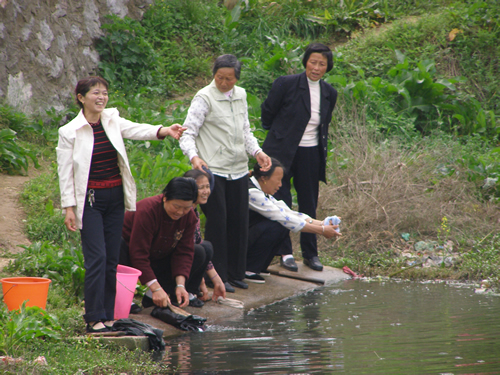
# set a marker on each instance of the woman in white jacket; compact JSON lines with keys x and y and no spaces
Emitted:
{"x":96,"y":187}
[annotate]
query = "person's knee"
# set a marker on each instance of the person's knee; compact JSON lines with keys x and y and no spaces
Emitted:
{"x":278,"y":230}
{"x":96,"y":265}
{"x":199,"y":254}
{"x":209,"y":250}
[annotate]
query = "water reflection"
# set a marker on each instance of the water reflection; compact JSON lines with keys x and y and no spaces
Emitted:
{"x":354,"y":328}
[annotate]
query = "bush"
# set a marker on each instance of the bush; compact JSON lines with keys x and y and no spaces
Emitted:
{"x":481,"y":262}
{"x":14,"y":158}
{"x":382,"y":188}
{"x":417,"y":94}
{"x":20,"y":327}
{"x":127,"y":59}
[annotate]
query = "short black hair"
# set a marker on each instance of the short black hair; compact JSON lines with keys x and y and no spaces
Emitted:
{"x":257,"y":173}
{"x":84,"y":85}
{"x":181,"y":188}
{"x":195,"y":174}
{"x":318,"y":48}
{"x":228,"y":61}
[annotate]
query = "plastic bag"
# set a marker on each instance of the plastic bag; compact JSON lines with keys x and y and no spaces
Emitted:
{"x":332,"y":220}
{"x":185,"y":323}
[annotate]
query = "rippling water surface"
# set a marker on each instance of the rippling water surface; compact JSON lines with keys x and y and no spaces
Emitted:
{"x":354,"y":327}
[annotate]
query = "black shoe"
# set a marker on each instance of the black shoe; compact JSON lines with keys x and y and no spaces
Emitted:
{"x":229,"y":288}
{"x":147,"y":302}
{"x":90,"y":328}
{"x":238,"y":284}
{"x":255,"y":278}
{"x":195,"y":302}
{"x":314,"y":264}
{"x":135,"y":308}
{"x":289,"y":264}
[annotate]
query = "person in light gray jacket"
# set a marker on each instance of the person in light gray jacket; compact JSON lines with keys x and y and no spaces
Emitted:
{"x":218,"y":137}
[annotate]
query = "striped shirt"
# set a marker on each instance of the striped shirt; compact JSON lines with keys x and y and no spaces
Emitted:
{"x":104,"y":170}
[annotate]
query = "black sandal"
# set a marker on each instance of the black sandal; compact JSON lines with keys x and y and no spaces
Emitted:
{"x":90,"y":328}
{"x":195,"y":302}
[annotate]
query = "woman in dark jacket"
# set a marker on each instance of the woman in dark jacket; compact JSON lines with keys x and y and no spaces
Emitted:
{"x":297,"y":113}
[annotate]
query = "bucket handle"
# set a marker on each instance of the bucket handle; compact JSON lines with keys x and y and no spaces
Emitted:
{"x":131,"y":291}
{"x":12,"y":287}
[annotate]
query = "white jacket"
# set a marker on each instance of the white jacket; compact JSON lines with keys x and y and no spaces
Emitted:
{"x":74,"y":155}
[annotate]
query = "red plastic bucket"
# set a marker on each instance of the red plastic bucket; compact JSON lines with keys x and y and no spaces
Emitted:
{"x":126,"y":281}
{"x":33,"y":290}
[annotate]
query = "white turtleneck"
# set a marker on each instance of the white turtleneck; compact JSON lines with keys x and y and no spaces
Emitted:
{"x":310,"y":136}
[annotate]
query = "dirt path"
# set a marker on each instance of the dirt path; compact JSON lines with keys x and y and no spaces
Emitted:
{"x":11,"y":216}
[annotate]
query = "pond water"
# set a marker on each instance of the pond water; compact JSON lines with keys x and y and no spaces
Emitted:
{"x":354,"y":327}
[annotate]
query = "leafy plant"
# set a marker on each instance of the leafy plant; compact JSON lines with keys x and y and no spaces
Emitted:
{"x":484,"y":170}
{"x":153,"y":170}
{"x":415,"y":92}
{"x":127,"y":58}
{"x":12,"y":119}
{"x":20,"y":327}
{"x":482,"y":261}
{"x":274,"y":59}
{"x":45,"y":222}
{"x":475,"y":49}
{"x":349,"y":15}
{"x":13,"y":157}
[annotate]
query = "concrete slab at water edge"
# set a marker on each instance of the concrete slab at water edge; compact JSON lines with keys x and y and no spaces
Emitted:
{"x":276,"y":288}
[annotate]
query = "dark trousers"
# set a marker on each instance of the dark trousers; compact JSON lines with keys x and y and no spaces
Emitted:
{"x":194,"y":282}
{"x":162,"y":268}
{"x":101,"y":233}
{"x":305,"y":173}
{"x":227,"y":226}
{"x":264,"y":240}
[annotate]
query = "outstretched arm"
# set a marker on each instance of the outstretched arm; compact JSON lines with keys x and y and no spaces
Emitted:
{"x":174,"y":131}
{"x":328,"y":231}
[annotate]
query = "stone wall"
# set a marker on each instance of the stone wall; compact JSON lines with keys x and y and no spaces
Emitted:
{"x":46,"y":46}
